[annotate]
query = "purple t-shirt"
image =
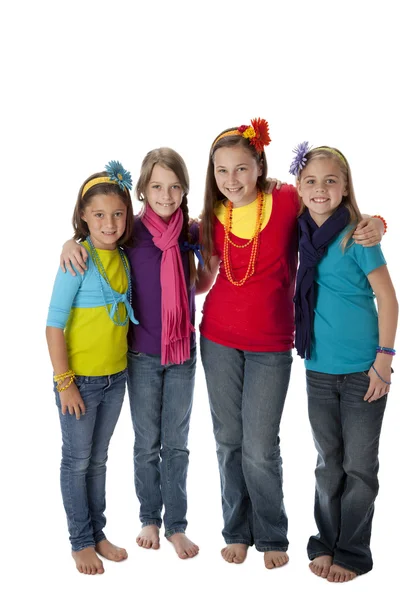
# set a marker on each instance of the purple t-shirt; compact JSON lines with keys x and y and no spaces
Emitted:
{"x":145,"y":261}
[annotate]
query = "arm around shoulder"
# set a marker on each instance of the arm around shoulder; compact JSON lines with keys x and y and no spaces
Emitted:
{"x":75,"y":255}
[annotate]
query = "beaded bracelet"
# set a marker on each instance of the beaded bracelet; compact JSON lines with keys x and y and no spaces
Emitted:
{"x":381,"y":378}
{"x":383,"y":221}
{"x":63,"y":375}
{"x":384,"y":350}
{"x":59,"y":379}
{"x":65,"y":387}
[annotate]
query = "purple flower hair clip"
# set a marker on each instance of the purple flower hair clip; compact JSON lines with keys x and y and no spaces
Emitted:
{"x":299,"y":161}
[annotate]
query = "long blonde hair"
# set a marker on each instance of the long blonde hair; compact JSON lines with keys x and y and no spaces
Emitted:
{"x":348,"y":201}
{"x":169,"y":159}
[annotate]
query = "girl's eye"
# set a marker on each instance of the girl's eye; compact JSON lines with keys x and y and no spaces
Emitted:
{"x":331,"y":180}
{"x":119,"y":214}
{"x":176,"y":187}
{"x":241,"y":168}
{"x":311,"y":181}
{"x":221,"y":170}
{"x":98,"y":215}
{"x":155,"y":187}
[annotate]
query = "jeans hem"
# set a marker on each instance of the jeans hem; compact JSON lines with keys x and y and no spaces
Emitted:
{"x":350,"y":567}
{"x":100,"y":538}
{"x":156,"y":522}
{"x":271,"y":548}
{"x":83,"y":546}
{"x":170,"y":532}
{"x":312,"y":555}
{"x":247,"y":542}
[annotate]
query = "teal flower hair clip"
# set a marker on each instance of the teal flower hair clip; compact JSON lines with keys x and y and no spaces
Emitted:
{"x":118,"y":174}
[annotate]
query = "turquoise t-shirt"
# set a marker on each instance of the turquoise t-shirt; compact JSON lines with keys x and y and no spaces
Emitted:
{"x":345,"y":315}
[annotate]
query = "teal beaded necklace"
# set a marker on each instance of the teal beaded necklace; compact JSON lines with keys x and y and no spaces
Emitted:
{"x":101,"y":272}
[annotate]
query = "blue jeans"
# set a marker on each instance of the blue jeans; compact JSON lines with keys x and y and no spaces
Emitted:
{"x":346,"y":432}
{"x":161,"y":398}
{"x":84,"y":456}
{"x":247,"y":393}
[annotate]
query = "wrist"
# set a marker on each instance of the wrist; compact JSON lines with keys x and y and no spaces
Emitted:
{"x":382,"y":221}
{"x":383,"y":359}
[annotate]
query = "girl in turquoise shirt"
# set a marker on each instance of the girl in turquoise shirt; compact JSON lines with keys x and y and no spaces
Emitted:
{"x":348,"y":355}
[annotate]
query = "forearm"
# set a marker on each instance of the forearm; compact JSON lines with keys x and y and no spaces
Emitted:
{"x":57,"y":350}
{"x":206,"y":276}
{"x":388,"y":310}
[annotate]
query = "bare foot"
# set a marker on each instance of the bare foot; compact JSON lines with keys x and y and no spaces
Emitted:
{"x":235,"y":553}
{"x":88,"y":562}
{"x":183,"y":546}
{"x":111,"y":552}
{"x":339,"y":574}
{"x":275,"y":558}
{"x":320,"y":565}
{"x":149,"y":537}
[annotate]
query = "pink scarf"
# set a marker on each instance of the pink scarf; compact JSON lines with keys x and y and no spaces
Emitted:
{"x":175,"y":318}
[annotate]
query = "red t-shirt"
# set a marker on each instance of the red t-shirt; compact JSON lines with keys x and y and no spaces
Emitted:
{"x":259,"y":315}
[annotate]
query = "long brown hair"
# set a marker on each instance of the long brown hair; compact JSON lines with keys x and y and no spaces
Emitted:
{"x":212,"y":195}
{"x":349,"y":201}
{"x":169,"y":159}
{"x":81,"y":230}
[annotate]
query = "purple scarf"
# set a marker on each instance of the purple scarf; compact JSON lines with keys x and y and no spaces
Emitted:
{"x":313,"y":242}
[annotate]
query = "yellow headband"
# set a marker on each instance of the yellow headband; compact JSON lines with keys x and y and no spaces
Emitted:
{"x":332,"y":151}
{"x":95,"y":181}
{"x":233,"y":132}
{"x":257,"y":134}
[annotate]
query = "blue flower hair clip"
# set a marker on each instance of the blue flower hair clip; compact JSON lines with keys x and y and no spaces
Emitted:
{"x":118,"y":174}
{"x":299,"y":161}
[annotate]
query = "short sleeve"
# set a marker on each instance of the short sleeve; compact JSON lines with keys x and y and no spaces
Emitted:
{"x":368,"y":259}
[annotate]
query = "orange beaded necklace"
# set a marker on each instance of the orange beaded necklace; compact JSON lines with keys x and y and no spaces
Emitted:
{"x":253,"y":240}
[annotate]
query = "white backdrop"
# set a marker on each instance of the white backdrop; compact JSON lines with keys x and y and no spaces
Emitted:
{"x":85,"y":82}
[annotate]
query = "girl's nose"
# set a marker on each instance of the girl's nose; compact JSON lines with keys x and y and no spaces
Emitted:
{"x":232,"y":178}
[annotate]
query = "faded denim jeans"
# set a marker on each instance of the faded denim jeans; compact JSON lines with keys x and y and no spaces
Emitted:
{"x":346,"y":432}
{"x":84,"y":455}
{"x":247,"y":392}
{"x":161,"y":398}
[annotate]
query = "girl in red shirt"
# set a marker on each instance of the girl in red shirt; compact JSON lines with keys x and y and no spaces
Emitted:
{"x":250,"y":236}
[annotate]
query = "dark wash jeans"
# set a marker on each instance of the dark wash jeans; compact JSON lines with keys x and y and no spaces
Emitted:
{"x":161,"y":398}
{"x":247,"y":392}
{"x":346,"y":432}
{"x":84,"y":456}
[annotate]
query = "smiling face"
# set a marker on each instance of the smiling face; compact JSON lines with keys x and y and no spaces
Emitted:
{"x":164,"y":192}
{"x":236,"y":172}
{"x":321,"y":187}
{"x":105,"y":216}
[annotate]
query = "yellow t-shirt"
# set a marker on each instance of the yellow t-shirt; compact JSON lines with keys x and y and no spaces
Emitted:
{"x":96,"y":346}
{"x":244,"y":217}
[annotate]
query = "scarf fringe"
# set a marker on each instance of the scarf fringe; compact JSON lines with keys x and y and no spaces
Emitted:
{"x":175,"y":347}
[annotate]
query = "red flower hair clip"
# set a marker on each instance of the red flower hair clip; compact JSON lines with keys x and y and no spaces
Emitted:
{"x":257,"y":133}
